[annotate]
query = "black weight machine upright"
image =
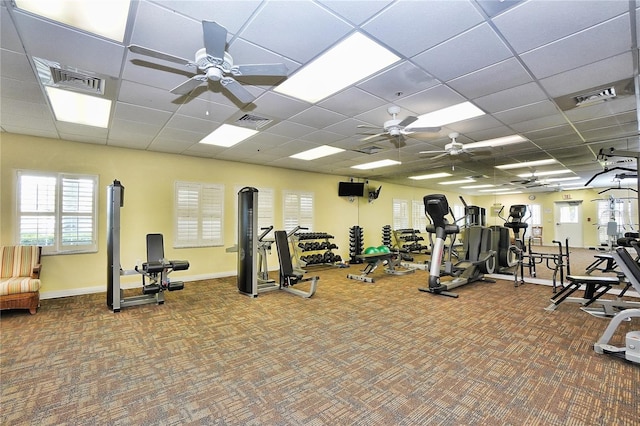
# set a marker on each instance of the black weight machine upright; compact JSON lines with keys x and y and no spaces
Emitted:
{"x":156,"y":269}
{"x":476,"y":260}
{"x":248,"y":245}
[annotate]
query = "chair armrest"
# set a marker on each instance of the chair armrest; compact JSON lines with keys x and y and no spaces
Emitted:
{"x":36,"y":271}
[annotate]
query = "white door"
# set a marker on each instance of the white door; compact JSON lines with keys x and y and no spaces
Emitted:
{"x":568,"y":221}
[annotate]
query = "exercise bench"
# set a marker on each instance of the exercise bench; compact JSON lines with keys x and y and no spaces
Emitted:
{"x":289,"y":277}
{"x":597,"y":286}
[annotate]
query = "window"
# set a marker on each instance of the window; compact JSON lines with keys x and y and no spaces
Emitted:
{"x":265,"y":207}
{"x":400,"y":214}
{"x":419,"y":218}
{"x":534,"y":215}
{"x":57,"y":211}
{"x":298,"y":210}
{"x":199,"y":214}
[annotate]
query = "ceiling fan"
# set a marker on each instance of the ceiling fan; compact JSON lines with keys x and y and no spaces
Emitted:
{"x":455,"y":148}
{"x":396,"y":128}
{"x":214,"y":63}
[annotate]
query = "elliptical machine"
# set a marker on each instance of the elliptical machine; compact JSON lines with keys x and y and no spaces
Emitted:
{"x":516,"y":222}
{"x":475,"y":258}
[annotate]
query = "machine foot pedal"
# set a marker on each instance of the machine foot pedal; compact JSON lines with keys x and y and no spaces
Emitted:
{"x":151,"y":289}
{"x":176,"y":285}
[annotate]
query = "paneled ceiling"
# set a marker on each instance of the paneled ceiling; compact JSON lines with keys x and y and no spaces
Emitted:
{"x":522,"y":62}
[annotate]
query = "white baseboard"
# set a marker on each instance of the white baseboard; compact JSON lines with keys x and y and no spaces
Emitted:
{"x":125,"y":286}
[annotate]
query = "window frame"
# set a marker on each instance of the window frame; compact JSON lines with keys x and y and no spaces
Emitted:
{"x":214,"y":212}
{"x":59,"y":215}
{"x":299,"y":217}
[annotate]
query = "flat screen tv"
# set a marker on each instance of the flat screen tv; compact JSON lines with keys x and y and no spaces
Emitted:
{"x":350,"y":189}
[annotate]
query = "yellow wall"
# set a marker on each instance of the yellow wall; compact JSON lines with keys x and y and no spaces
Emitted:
{"x":149,"y":179}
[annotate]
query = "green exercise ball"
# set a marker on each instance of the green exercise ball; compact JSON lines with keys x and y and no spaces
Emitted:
{"x":370,"y":250}
{"x":384,"y":249}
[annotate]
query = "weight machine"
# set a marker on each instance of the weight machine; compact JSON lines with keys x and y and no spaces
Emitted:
{"x":156,"y":270}
{"x":476,"y":259}
{"x":247,"y":249}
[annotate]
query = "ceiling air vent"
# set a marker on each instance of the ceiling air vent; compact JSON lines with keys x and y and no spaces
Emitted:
{"x":594,"y":97}
{"x":369,"y":149}
{"x":52,"y":73}
{"x":75,"y":80}
{"x":252,"y":121}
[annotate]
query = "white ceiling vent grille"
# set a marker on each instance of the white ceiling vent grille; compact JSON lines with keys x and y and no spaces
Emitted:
{"x":369,"y":149}
{"x":252,"y":121}
{"x":76,"y":80}
{"x":53,"y":74}
{"x":595,"y":97}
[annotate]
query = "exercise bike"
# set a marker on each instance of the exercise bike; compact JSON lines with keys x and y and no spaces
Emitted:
{"x":474,"y":259}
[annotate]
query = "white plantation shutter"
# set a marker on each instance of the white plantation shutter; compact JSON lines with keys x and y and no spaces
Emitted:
{"x":297,"y":210}
{"x":199,"y":214}
{"x":265,"y":208}
{"x":400,"y":214}
{"x":419,"y":218}
{"x":57,"y":211}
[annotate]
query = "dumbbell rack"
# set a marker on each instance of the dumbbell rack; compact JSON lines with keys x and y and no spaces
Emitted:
{"x":356,"y":244}
{"x":408,"y":240}
{"x":308,"y":245}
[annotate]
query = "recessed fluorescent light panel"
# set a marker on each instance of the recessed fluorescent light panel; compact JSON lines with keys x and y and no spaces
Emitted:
{"x":431,"y":176}
{"x":228,"y":135}
{"x":455,"y":182}
{"x":77,"y":108}
{"x":527,"y":164}
{"x":315,"y":153}
{"x":452,"y":114}
{"x":506,"y":140}
{"x":376,"y":164}
{"x":346,"y":63}
{"x":478,"y":186}
{"x":549,"y":173}
{"x":104,"y":18}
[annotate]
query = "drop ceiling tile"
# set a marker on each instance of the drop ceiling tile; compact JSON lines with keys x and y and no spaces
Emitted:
{"x":521,"y":25}
{"x":232,"y":15}
{"x":527,"y":112}
{"x":351,"y":101}
{"x":22,"y":90}
{"x":281,"y":26}
{"x":317,"y":117}
{"x":48,"y":40}
{"x":290,"y":130}
{"x":503,"y":75}
{"x":401,"y":80}
{"x":356,"y":11}
{"x":595,"y":44}
{"x":471,"y":51}
{"x":442,"y":19}
{"x":15,"y":66}
{"x":182,"y":122}
{"x":146,"y":96}
{"x":9,"y":38}
{"x":511,"y":98}
{"x":599,"y":73}
{"x":152,"y":116}
{"x":430,"y":100}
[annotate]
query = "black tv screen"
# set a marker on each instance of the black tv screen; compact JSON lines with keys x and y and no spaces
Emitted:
{"x":350,"y":189}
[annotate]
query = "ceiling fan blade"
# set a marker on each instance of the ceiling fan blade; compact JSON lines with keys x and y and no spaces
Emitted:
{"x":215,"y":39}
{"x":423,"y":130}
{"x":276,"y":70}
{"x":371,"y":137}
{"x":237,"y":90}
{"x":407,"y":121}
{"x":159,"y":55}
{"x":433,"y":152}
{"x":444,"y":154}
{"x":189,"y":85}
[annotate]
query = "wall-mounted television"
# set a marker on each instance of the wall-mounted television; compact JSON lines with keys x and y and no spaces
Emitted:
{"x":350,"y":189}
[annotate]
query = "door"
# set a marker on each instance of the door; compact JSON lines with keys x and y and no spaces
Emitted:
{"x":568,"y":220}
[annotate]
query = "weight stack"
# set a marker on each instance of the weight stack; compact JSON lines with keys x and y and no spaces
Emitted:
{"x":356,"y":240}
